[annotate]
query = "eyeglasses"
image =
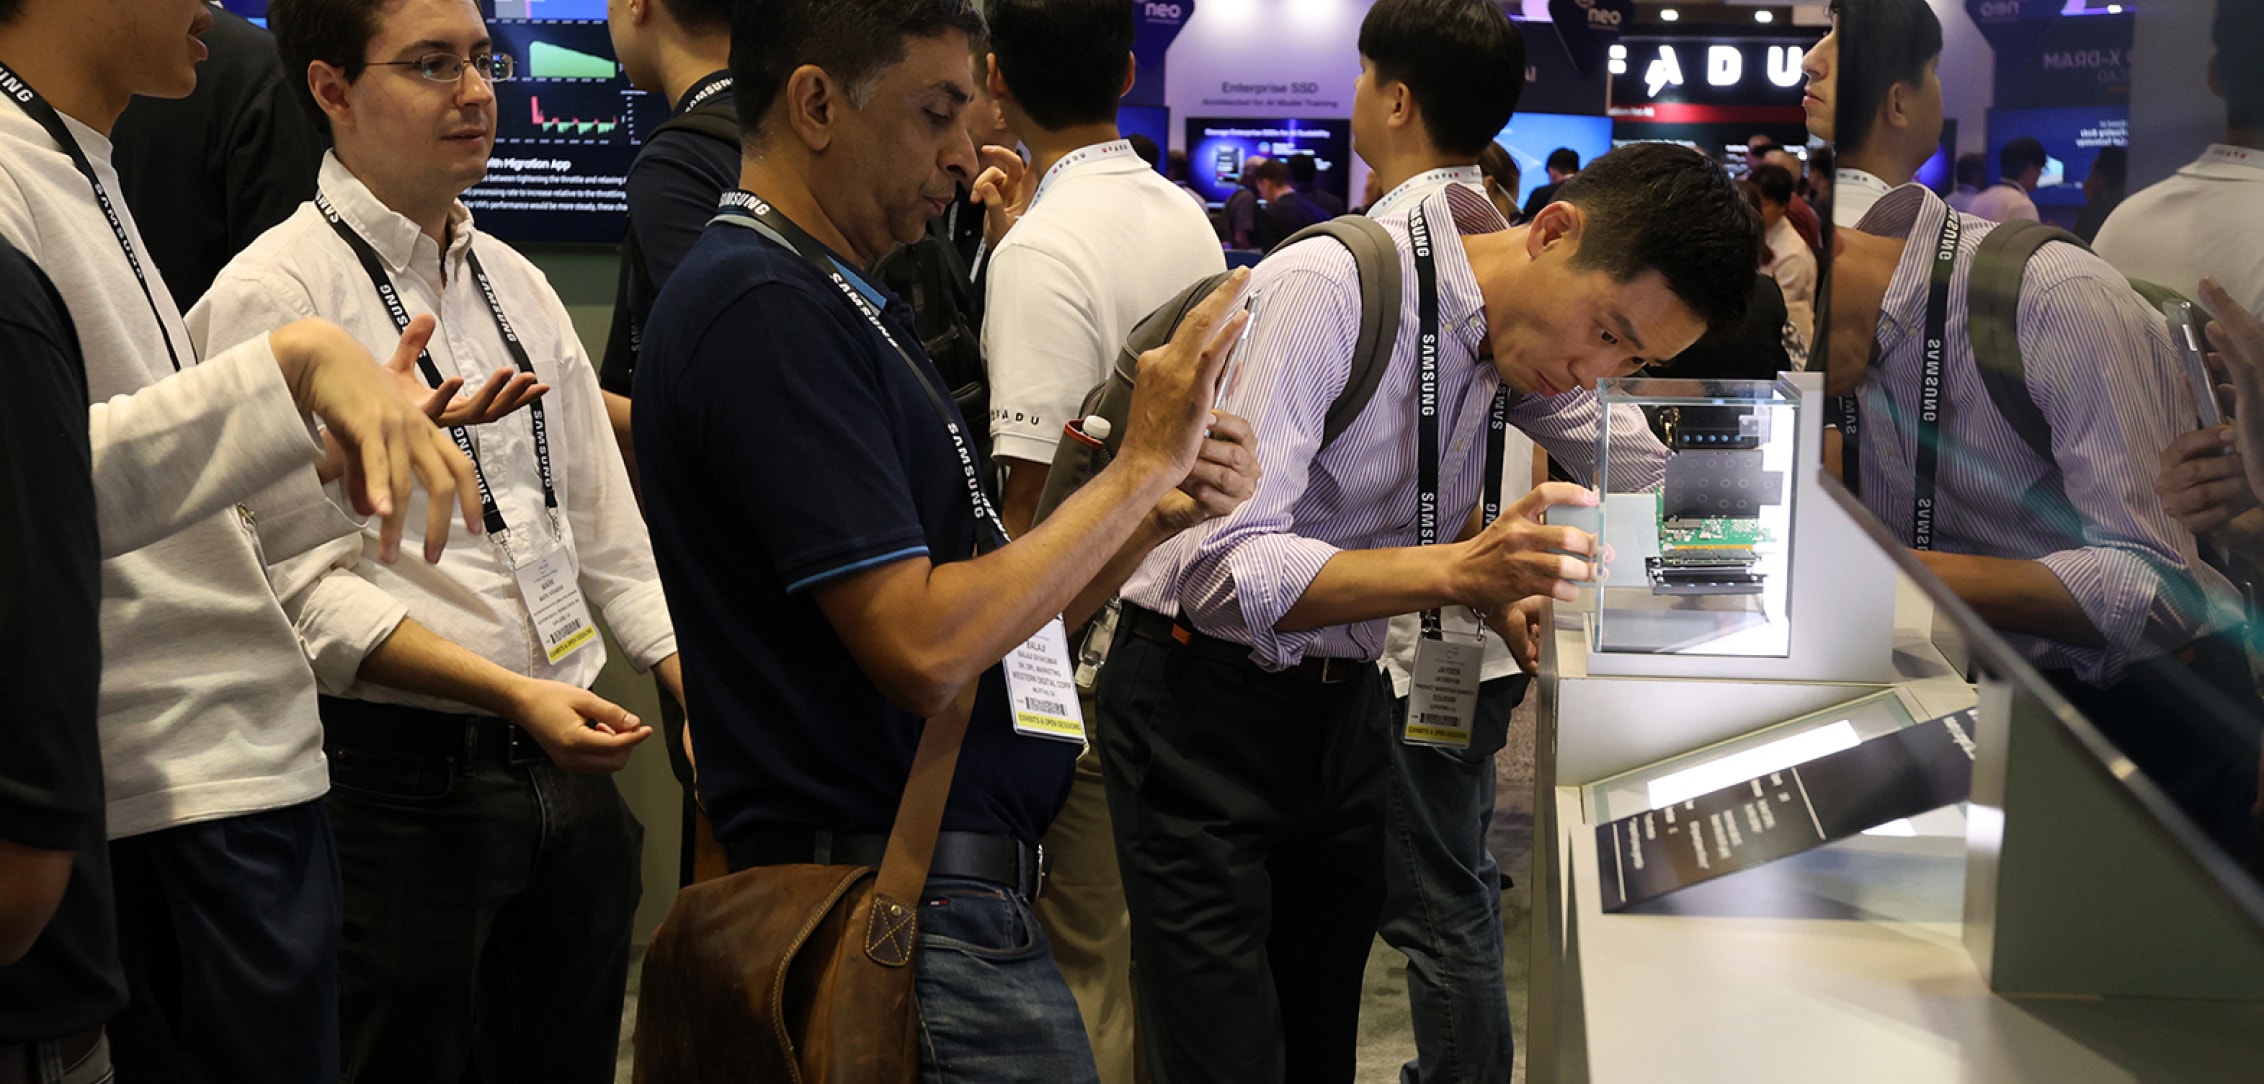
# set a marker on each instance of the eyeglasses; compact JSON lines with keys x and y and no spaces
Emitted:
{"x":448,"y":67}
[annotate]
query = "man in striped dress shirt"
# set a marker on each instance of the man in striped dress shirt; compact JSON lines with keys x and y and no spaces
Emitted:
{"x":1247,"y":726}
{"x":2073,"y":557}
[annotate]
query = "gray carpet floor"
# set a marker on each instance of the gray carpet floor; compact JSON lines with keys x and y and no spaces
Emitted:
{"x":1387,"y":1039}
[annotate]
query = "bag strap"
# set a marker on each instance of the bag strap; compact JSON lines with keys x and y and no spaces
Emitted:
{"x":1993,"y":327}
{"x":891,"y":926}
{"x":1993,"y":324}
{"x":1376,"y":256}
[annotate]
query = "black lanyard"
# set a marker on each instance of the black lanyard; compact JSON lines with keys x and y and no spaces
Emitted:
{"x":489,"y":513}
{"x":1427,"y":408}
{"x":20,"y":92}
{"x":1927,"y":453}
{"x":744,"y":206}
{"x":1930,"y":383}
{"x":707,"y":88}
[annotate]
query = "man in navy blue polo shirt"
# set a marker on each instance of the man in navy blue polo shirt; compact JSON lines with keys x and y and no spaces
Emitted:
{"x":817,"y":513}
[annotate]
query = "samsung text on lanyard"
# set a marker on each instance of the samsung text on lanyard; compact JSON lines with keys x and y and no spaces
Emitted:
{"x":547,"y":584}
{"x":1928,"y":452}
{"x":1040,"y":686}
{"x":1443,"y":690}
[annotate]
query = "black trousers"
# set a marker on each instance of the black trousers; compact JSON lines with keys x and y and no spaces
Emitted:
{"x":1248,"y":811}
{"x":488,"y":912}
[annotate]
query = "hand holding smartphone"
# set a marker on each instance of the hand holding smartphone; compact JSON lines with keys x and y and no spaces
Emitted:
{"x":2187,"y":336}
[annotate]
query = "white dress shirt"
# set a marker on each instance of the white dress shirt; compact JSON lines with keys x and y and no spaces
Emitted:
{"x":2207,"y":219}
{"x":344,"y":601}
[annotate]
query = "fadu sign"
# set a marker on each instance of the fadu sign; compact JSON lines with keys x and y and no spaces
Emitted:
{"x":1589,"y":28}
{"x":1701,"y":72}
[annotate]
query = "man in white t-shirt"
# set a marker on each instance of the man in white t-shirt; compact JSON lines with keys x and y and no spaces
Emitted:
{"x":225,"y":879}
{"x":1875,"y":93}
{"x":2020,"y":168}
{"x":2208,"y":218}
{"x":1104,"y":241}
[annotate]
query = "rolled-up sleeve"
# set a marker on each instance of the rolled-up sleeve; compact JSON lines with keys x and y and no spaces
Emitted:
{"x":2137,"y":574}
{"x":340,"y":617}
{"x":1252,"y":566}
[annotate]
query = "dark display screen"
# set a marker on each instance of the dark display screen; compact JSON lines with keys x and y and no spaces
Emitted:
{"x":1217,"y":147}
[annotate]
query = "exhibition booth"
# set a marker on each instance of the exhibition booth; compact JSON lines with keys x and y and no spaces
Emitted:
{"x":1796,"y":806}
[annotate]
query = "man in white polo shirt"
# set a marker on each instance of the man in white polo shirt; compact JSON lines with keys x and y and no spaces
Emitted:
{"x":1106,"y":239}
{"x":491,"y":869}
{"x":2208,"y":218}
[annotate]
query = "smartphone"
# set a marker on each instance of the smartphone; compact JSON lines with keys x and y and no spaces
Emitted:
{"x":1226,"y":380}
{"x":2188,"y":340}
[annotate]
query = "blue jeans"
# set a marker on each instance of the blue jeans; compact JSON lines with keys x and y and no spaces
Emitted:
{"x":1442,"y":897}
{"x":993,"y":1007}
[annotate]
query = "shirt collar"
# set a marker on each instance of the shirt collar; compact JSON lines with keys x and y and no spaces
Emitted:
{"x":1910,"y":211}
{"x":1853,"y":193}
{"x":2223,"y":160}
{"x":710,"y":87}
{"x":1113,"y":156}
{"x":1406,"y":192}
{"x":1460,"y":301}
{"x":389,"y":233}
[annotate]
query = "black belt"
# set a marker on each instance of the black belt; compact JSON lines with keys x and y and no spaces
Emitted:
{"x":1001,"y":860}
{"x":19,"y":1064}
{"x":392,"y":728}
{"x":1149,"y":625}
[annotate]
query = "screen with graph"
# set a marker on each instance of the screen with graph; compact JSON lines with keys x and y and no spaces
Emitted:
{"x":566,"y":128}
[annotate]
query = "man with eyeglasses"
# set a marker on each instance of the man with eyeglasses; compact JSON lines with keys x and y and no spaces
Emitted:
{"x":491,"y":868}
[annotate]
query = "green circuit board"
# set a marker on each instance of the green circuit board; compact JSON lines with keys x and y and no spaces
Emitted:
{"x":1693,"y":537}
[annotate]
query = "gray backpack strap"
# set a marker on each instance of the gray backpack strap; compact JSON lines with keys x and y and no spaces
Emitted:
{"x":1993,"y":323}
{"x":1376,"y":256}
{"x":1992,"y":298}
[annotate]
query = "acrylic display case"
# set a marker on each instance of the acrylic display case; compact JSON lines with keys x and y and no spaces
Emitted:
{"x":1704,"y":555}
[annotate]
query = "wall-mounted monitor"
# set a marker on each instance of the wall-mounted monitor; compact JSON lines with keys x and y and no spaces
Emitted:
{"x":1217,"y":147}
{"x":2072,"y":137}
{"x":566,"y":129}
{"x":1531,"y":137}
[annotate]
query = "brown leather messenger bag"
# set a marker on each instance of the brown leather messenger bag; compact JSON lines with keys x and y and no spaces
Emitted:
{"x":801,"y":973}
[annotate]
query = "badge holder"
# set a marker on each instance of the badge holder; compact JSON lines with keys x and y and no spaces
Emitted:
{"x":550,"y":588}
{"x":1442,"y":699}
{"x":1042,"y":689}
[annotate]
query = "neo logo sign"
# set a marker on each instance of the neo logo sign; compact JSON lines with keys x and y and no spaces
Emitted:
{"x":1164,"y":11}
